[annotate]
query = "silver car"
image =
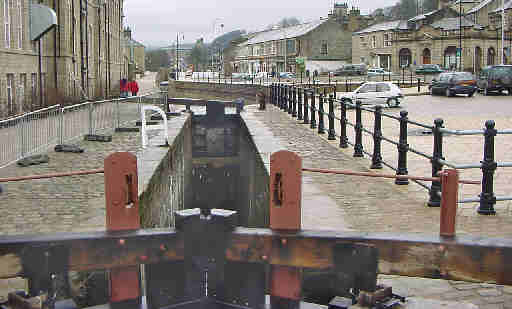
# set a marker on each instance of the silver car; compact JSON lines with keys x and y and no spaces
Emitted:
{"x":375,"y":93}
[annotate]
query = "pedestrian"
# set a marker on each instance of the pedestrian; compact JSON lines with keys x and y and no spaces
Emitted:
{"x":123,"y":88}
{"x":134,"y":88}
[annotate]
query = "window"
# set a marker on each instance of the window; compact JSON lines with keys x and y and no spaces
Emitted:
{"x":273,"y":48}
{"x":374,"y":42}
{"x":387,"y":39}
{"x":324,"y":50}
{"x":361,"y":38}
{"x":290,"y":46}
{"x":383,"y":87}
{"x":10,"y":93}
{"x":444,"y":33}
{"x":20,"y":25}
{"x":368,"y":88}
{"x":7,"y":24}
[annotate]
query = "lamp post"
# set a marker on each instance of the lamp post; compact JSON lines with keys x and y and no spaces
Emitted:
{"x":460,"y":35}
{"x":502,"y":32}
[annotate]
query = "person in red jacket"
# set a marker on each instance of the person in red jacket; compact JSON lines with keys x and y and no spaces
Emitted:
{"x":134,"y":87}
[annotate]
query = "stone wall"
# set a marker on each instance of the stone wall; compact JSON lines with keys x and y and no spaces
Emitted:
{"x":214,"y":91}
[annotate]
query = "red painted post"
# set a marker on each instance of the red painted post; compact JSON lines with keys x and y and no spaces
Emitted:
{"x":449,"y":200}
{"x":122,"y":210}
{"x":285,"y":216}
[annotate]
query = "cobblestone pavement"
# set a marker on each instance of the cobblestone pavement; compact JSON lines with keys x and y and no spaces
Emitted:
{"x":459,"y":113}
{"x":377,"y":205}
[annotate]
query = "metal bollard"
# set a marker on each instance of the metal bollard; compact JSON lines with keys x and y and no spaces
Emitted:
{"x":313,"y":110}
{"x":437,"y":154}
{"x":343,"y":125}
{"x":487,"y":197}
{"x":306,"y":107}
{"x":294,"y":102}
{"x":332,"y":132}
{"x":358,"y":145}
{"x":299,"y":107}
{"x":286,"y":97}
{"x":403,"y":147}
{"x":321,"y":126}
{"x":346,"y":85}
{"x":281,"y":96}
{"x":450,"y":180}
{"x":377,"y":139}
{"x":290,"y":100}
{"x":419,"y":88}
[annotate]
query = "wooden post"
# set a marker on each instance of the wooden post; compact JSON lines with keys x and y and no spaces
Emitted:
{"x":122,"y":207}
{"x":449,"y":200}
{"x":285,"y":216}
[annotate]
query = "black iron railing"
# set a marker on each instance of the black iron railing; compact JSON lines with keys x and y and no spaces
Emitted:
{"x":308,"y":103}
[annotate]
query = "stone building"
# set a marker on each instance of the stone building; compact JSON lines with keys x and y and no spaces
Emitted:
{"x":322,"y":44}
{"x":435,"y":37}
{"x":82,"y":58}
{"x":136,"y":55}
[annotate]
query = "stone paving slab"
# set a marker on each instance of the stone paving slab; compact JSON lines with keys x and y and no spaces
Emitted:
{"x":377,"y":205}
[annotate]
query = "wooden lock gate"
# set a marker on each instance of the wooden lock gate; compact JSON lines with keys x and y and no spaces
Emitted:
{"x":209,"y":262}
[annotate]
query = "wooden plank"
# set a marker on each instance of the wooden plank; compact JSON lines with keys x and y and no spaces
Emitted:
{"x":96,"y":250}
{"x":429,"y":256}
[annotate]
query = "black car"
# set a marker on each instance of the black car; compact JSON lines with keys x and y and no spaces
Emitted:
{"x":453,"y":83}
{"x":351,"y":69}
{"x":495,"y":78}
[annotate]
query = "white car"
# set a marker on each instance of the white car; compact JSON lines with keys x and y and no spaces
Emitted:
{"x":262,"y":75}
{"x":375,"y":93}
{"x":377,"y":72}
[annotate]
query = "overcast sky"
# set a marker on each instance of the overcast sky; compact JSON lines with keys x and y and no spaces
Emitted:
{"x":155,"y":22}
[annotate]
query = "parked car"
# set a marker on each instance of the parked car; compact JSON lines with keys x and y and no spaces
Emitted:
{"x":261,"y":75}
{"x":429,"y":69}
{"x":453,"y":83}
{"x":375,"y":93}
{"x":495,"y":78}
{"x":378,"y":72}
{"x":286,"y":75}
{"x":351,"y":69}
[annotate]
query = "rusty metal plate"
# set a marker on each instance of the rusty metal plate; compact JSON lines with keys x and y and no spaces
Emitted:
{"x":286,"y":282}
{"x":121,"y":196}
{"x":285,"y":190}
{"x":121,"y":192}
{"x":124,"y":283}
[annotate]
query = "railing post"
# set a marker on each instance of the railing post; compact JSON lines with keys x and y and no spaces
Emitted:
{"x":419,"y":88}
{"x":294,"y":97}
{"x":90,"y":119}
{"x":313,"y":109}
{"x":487,"y":197}
{"x":61,"y":125}
{"x":403,"y":147}
{"x":290,"y":100}
{"x":346,"y":85}
{"x":332,"y":132}
{"x":306,"y":107}
{"x":118,"y":112}
{"x":321,"y":126}
{"x":299,"y":107}
{"x":285,"y":98}
{"x":377,"y":139}
{"x":23,"y":139}
{"x":358,"y":145}
{"x":450,"y":180}
{"x":280,"y":96}
{"x":437,"y":154}
{"x":343,"y":125}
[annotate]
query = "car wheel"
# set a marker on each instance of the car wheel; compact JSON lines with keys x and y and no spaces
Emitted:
{"x":471,"y":94}
{"x":509,"y":91}
{"x":392,"y":102}
{"x":448,"y":92}
{"x":430,"y":91}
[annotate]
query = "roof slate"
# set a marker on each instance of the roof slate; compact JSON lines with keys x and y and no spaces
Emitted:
{"x":282,"y":33}
{"x":479,"y":6}
{"x":390,"y":25}
{"x":452,"y":23}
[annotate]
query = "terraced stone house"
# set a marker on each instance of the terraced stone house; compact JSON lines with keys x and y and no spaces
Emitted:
{"x":434,"y":38}
{"x":82,"y":58}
